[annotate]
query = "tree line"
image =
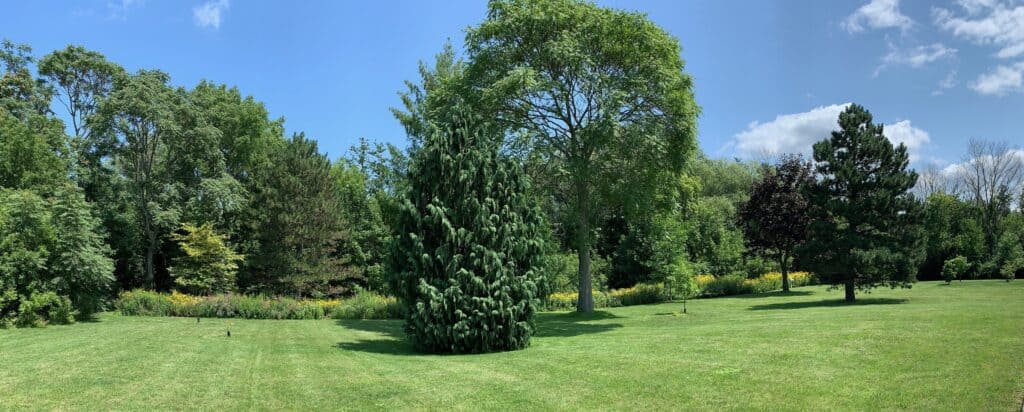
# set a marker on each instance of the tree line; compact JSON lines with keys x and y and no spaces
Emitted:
{"x":557,"y":152}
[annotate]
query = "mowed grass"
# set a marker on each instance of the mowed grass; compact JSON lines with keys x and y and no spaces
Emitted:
{"x":933,"y":347}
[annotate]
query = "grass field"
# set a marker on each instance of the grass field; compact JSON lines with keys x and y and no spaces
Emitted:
{"x":933,"y":347}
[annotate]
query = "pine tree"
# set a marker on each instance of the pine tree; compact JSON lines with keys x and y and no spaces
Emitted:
{"x":864,"y":233}
{"x":467,"y":257}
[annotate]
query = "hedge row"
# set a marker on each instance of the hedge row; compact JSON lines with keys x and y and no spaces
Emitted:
{"x":365,"y":305}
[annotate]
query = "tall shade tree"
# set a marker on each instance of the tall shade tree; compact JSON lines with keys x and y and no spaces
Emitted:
{"x":138,"y":119}
{"x":467,"y":257}
{"x":598,"y":95}
{"x":21,"y":93}
{"x":863,"y":234}
{"x":83,"y":77}
{"x":776,"y":217}
{"x":992,"y":174}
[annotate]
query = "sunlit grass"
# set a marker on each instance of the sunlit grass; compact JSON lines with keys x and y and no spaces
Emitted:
{"x":933,"y":347}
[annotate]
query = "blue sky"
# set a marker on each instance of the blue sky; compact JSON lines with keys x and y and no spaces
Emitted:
{"x":770,"y":76}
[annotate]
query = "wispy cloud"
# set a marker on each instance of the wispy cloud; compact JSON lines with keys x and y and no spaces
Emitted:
{"x":119,"y":9}
{"x":797,"y":132}
{"x":987,"y":22}
{"x":209,"y":14}
{"x":946,"y":83}
{"x":878,"y":14}
{"x":915,"y":57}
{"x":1000,"y":81}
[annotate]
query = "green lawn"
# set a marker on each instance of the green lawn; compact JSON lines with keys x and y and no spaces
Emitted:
{"x":933,"y":347}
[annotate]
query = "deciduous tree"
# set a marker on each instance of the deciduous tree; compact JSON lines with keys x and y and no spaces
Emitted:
{"x":598,"y":95}
{"x":776,"y":217}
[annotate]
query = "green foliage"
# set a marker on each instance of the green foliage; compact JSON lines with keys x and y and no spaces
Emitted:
{"x":863,"y":234}
{"x":955,"y":268}
{"x":728,"y":285}
{"x":1010,"y":255}
{"x":714,"y":242}
{"x":208,"y":266}
{"x":468,"y":255}
{"x":641,"y":294}
{"x":596,"y":97}
{"x":562,"y":271}
{"x":369,"y":305}
{"x":302,"y":226}
{"x":51,"y":245}
{"x":364,"y":305}
{"x":44,"y":308}
{"x":29,"y":151}
{"x":951,"y":229}
{"x":80,"y":262}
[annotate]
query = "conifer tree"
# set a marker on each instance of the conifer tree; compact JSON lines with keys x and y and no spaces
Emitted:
{"x":864,"y":233}
{"x":467,"y":257}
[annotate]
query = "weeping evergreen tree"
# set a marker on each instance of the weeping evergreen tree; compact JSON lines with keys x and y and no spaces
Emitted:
{"x":467,"y":257}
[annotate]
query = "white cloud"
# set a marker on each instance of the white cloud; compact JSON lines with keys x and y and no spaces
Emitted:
{"x":915,"y":57}
{"x":119,"y":9}
{"x":946,"y":83}
{"x":987,"y":22}
{"x":209,"y":14}
{"x":796,"y":133}
{"x":903,"y":132}
{"x":878,"y":14}
{"x":1000,"y":81}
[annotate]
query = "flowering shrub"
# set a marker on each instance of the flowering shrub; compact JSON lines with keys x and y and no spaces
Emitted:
{"x":738,"y":285}
{"x":365,"y":305}
{"x":368,"y":305}
{"x":640,"y":294}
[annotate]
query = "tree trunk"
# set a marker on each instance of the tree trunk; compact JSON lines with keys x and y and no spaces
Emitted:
{"x":585,"y":301}
{"x":586,"y":298}
{"x":785,"y":274}
{"x":850,"y":289}
{"x":150,"y":278}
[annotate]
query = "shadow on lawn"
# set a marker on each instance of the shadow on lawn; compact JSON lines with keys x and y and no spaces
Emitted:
{"x":391,"y":343}
{"x":393,"y":340}
{"x":776,"y":294}
{"x":828,"y":303}
{"x":564,"y":324}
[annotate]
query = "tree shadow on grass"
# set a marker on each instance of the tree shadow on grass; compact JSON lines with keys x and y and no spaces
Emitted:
{"x":828,"y":303}
{"x":776,"y":294}
{"x":565,"y":324}
{"x":392,"y":339}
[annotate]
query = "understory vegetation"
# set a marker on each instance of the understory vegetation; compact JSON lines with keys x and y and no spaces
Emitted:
{"x":363,"y":305}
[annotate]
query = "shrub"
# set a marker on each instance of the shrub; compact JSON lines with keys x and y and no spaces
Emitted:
{"x":368,"y":305}
{"x":641,"y":294}
{"x":1011,"y":267}
{"x":44,"y":308}
{"x":955,"y":268}
{"x":738,"y":285}
{"x":365,"y":305}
